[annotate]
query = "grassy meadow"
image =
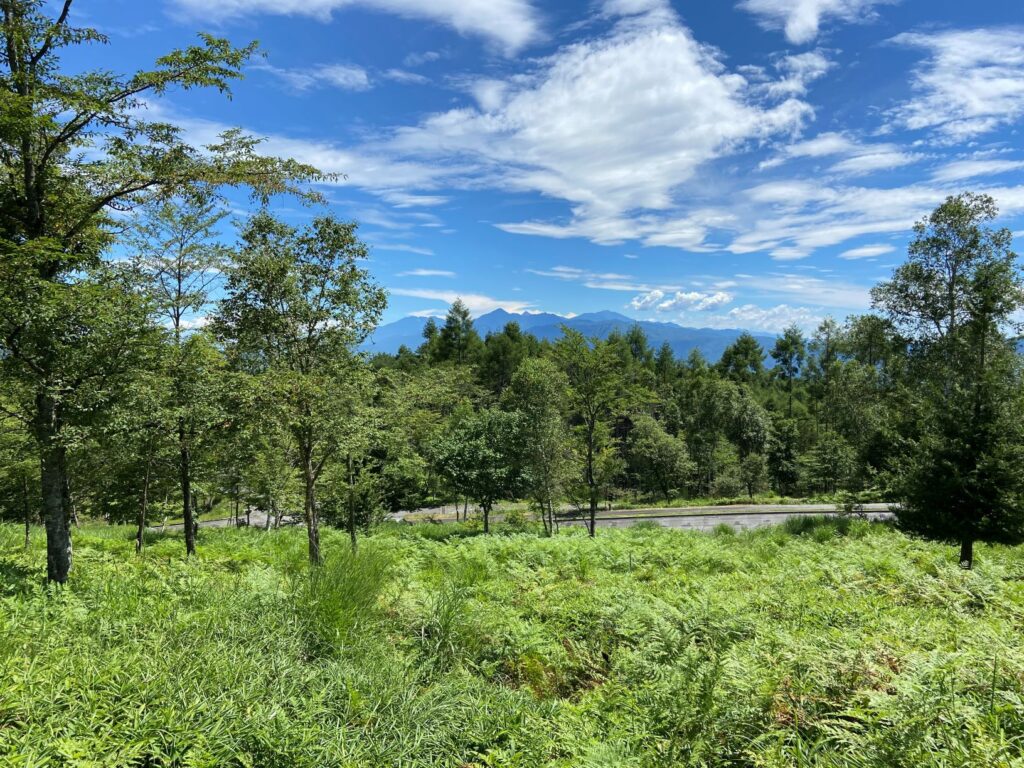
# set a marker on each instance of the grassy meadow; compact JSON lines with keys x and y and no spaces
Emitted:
{"x":835,"y":643}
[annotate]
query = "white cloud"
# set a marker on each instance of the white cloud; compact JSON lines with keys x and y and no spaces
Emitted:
{"x":418,"y":59}
{"x":404,"y":76}
{"x":773,"y":319}
{"x":370,"y":167}
{"x":649,"y":300}
{"x":802,"y":19}
{"x":404,"y":248}
{"x":808,"y":216}
{"x":880,"y":159}
{"x":347,"y":77}
{"x":798,"y":71}
{"x":608,"y":281}
{"x":194,"y":323}
{"x":613,"y":125}
{"x":969,"y":169}
{"x":698,"y":301}
{"x":858,"y":158}
{"x":834,"y":294}
{"x":477,"y":303}
{"x":421,"y":272}
{"x":509,"y":23}
{"x":972,"y":82}
{"x":867,"y":252}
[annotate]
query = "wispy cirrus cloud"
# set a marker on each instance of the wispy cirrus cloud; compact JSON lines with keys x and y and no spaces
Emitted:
{"x":971,"y":83}
{"x":423,"y":272}
{"x":960,"y":170}
{"x":347,"y":77}
{"x":850,"y":157}
{"x":478,"y":304}
{"x":867,"y":252}
{"x":511,"y":24}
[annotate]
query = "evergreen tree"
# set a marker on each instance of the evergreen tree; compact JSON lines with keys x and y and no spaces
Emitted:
{"x":457,"y":341}
{"x":743,"y":360}
{"x":955,"y":297}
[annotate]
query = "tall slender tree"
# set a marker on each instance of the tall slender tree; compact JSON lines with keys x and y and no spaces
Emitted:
{"x":179,"y":261}
{"x":296,"y":304}
{"x":789,"y":352}
{"x":595,"y":394}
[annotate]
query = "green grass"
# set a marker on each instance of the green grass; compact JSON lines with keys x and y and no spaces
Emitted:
{"x":826,"y":643}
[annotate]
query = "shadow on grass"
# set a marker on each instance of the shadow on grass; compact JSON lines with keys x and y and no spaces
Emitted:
{"x":16,"y":578}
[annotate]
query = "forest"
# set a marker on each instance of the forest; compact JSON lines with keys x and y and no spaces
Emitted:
{"x":174,"y":349}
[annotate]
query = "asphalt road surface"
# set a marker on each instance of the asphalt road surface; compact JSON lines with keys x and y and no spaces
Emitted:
{"x":739,"y":517}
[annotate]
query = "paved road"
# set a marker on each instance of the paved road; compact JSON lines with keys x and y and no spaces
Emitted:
{"x":256,"y":520}
{"x":739,"y":517}
{"x":689,"y":518}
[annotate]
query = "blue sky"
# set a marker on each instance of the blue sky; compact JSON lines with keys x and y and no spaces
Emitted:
{"x":736,"y":163}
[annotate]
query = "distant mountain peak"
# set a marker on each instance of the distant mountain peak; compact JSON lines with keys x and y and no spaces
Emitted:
{"x":544,"y":325}
{"x":605,"y":315}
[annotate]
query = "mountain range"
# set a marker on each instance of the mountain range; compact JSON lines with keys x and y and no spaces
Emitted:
{"x":710,"y":341}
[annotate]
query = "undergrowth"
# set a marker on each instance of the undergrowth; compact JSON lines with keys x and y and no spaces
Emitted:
{"x":820,"y":642}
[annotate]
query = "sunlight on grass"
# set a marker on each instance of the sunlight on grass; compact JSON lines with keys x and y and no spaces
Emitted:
{"x":821,"y":642}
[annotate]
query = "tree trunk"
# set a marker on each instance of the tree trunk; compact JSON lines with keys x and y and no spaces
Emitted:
{"x":967,"y":554}
{"x":53,"y":482}
{"x":185,"y":475}
{"x":351,"y":505}
{"x":28,"y":511}
{"x":312,"y":522}
{"x":593,"y":511}
{"x":487,"y":518}
{"x":140,"y":534}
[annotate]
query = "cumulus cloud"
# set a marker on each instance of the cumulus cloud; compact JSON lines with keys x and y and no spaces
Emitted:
{"x":798,"y":72}
{"x":680,"y":300}
{"x":801,"y":20}
{"x":971,"y":83}
{"x":511,"y":24}
{"x":773,"y":319}
{"x":612,"y":125}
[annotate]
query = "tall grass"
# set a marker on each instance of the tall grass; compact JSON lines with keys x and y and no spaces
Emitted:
{"x":818,"y":643}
